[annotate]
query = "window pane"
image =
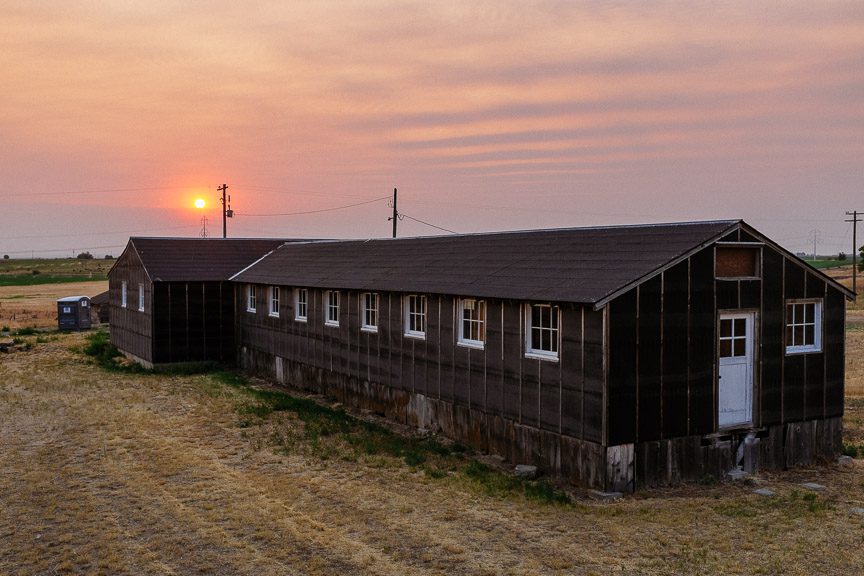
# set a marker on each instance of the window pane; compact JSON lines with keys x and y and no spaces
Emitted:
{"x":725,"y":348}
{"x":725,"y":328}
{"x":740,"y":347}
{"x":809,"y":335}
{"x":553,"y":317}
{"x":545,"y":342}
{"x":536,"y":312}
{"x":808,"y":313}
{"x":798,"y":335}
{"x":740,"y":327}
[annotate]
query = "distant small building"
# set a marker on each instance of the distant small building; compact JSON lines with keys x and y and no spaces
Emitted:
{"x":73,"y":313}
{"x":99,"y":309}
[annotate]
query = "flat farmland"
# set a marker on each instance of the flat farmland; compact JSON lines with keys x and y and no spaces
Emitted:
{"x":36,"y":305}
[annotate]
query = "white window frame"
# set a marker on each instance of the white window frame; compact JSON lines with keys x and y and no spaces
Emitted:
{"x":540,"y":353}
{"x":273,"y":301}
{"x":477,"y":308}
{"x":251,"y":298}
{"x":124,"y":290}
{"x":415,"y":309}
{"x":301,"y":304}
{"x":141,"y":297}
{"x":369,"y":306}
{"x":331,"y":307}
{"x":816,"y":346}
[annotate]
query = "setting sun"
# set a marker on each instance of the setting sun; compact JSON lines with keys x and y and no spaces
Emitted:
{"x":199,"y":203}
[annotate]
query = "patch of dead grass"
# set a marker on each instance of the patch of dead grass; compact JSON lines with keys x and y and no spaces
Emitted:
{"x":135,"y":473}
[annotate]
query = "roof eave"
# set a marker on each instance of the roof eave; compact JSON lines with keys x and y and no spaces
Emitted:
{"x":235,"y":275}
{"x":600,"y":303}
{"x":850,"y":295}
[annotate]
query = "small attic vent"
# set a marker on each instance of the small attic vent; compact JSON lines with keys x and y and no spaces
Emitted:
{"x":737,"y":261}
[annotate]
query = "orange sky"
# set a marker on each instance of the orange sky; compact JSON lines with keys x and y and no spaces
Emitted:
{"x":115,"y":115}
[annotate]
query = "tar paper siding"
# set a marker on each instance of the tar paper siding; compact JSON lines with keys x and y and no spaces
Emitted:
{"x":479,"y":394}
{"x":181,"y":321}
{"x":131,"y":329}
{"x":663,"y":357}
{"x":193,"y":322}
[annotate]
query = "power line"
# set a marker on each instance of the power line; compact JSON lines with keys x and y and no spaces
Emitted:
{"x":97,"y":191}
{"x":314,"y":211}
{"x":426,"y":223}
{"x":130,"y":232}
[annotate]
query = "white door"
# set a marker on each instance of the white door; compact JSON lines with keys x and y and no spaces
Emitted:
{"x":735,"y":397}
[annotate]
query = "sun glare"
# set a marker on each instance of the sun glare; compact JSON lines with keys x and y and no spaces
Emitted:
{"x":199,"y":203}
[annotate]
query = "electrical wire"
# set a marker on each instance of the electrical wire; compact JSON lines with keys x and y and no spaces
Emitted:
{"x":402,"y":214}
{"x":314,"y":211}
{"x":99,"y":191}
{"x":129,"y":232}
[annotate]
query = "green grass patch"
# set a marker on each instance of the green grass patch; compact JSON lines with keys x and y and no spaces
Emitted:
{"x":30,"y":271}
{"x":38,"y":279}
{"x":496,"y":483}
{"x":828,"y":263}
{"x":26,"y":331}
{"x":107,"y":356}
{"x":330,"y":432}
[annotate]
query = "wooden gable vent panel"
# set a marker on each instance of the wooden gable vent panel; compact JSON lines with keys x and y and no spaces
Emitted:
{"x":737,"y":262}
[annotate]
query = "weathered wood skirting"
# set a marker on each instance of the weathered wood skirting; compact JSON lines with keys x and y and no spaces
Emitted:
{"x":580,"y":461}
{"x":623,"y":468}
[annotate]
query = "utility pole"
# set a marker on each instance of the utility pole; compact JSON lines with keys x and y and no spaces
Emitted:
{"x":223,"y":189}
{"x":854,"y":222}
{"x":395,"y":217}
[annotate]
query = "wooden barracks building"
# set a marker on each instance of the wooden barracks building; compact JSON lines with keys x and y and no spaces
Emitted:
{"x":620,"y":357}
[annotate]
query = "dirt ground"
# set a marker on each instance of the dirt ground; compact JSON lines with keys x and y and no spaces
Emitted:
{"x":36,"y":306}
{"x":116,"y":473}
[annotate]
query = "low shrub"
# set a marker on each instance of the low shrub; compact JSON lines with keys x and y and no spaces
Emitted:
{"x":105,"y":354}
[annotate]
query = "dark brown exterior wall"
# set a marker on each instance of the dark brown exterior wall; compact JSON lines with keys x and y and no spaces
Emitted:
{"x":194,"y":322}
{"x":494,"y":398}
{"x":181,"y":321}
{"x":131,"y":330}
{"x":663,"y":359}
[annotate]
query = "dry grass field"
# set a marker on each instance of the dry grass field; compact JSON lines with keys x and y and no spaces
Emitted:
{"x":36,"y":305}
{"x":111,"y":472}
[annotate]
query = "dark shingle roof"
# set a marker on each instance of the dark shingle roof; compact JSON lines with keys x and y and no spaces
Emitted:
{"x":199,"y":259}
{"x":565,"y":265}
{"x":101,"y":298}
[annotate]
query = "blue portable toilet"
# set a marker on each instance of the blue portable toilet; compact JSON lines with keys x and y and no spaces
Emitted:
{"x":73,"y":313}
